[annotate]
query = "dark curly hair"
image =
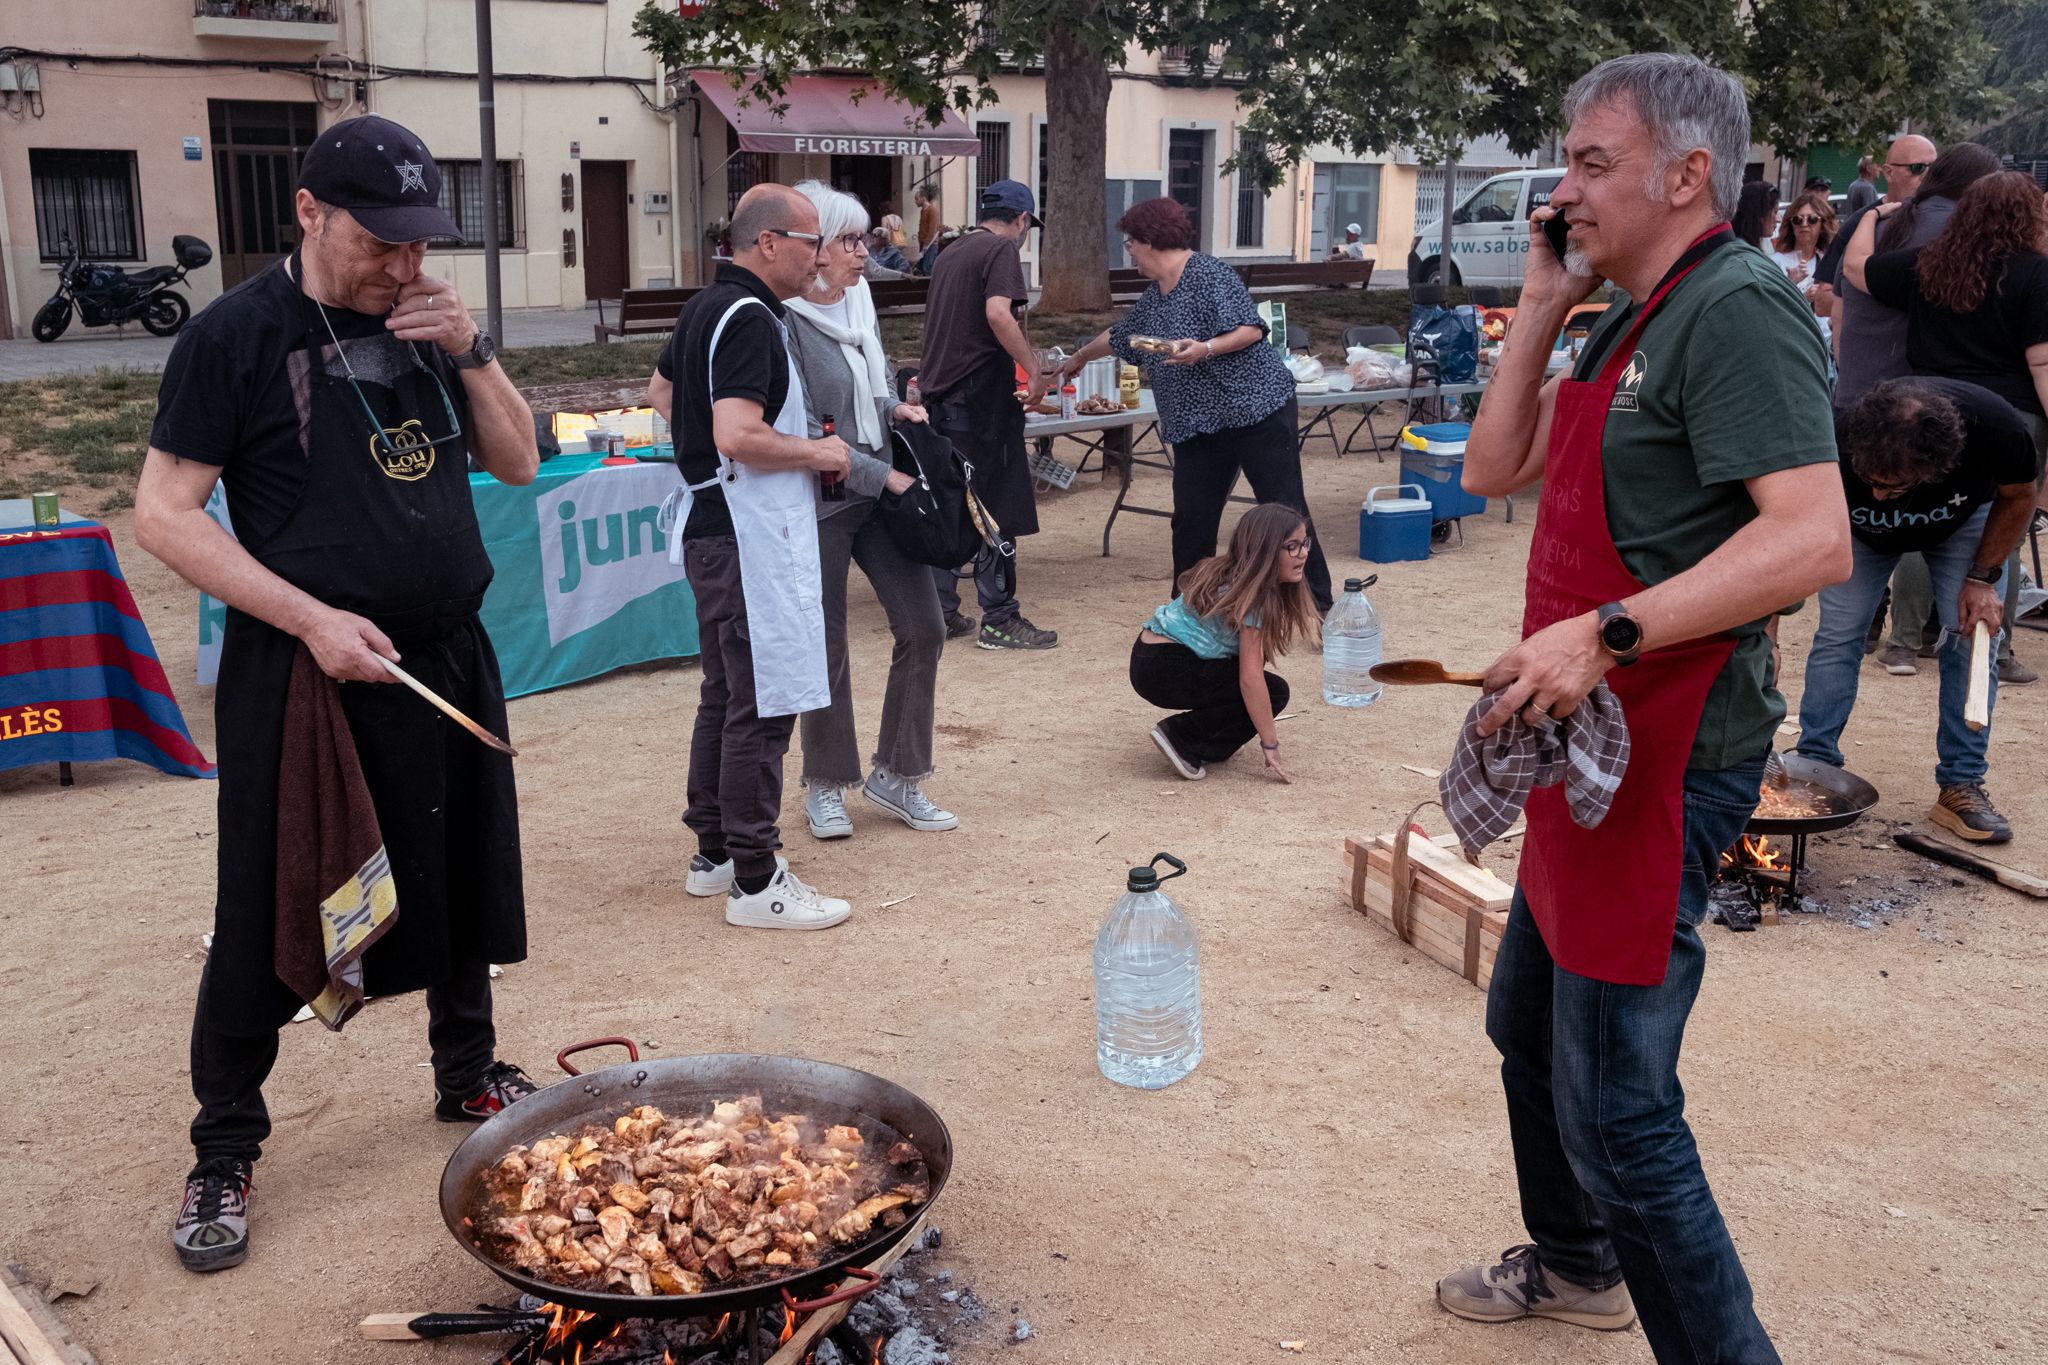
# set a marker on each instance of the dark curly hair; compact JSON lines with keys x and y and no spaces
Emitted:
{"x":1161,"y":224}
{"x":1997,"y":218}
{"x":1903,"y":431}
{"x":1817,"y":200}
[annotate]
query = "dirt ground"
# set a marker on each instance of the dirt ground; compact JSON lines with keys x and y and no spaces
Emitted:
{"x":1870,"y":1100}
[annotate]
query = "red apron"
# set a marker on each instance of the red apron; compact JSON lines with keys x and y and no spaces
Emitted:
{"x":1606,"y":899}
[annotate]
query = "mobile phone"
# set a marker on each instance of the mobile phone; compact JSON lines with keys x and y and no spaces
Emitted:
{"x":1557,"y":232}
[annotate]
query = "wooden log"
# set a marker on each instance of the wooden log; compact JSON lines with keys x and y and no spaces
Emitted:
{"x":1977,"y":705}
{"x":29,"y":1331}
{"x":814,"y":1327}
{"x":1944,"y":852}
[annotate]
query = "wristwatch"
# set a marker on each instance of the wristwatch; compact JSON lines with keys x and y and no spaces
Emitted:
{"x":1989,"y":575}
{"x":1620,"y":634}
{"x":481,"y":352}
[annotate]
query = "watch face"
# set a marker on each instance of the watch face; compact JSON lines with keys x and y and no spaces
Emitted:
{"x":1620,"y":634}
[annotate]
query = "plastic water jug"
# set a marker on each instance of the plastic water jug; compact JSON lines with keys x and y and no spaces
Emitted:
{"x":1351,"y":647}
{"x":1148,"y":984}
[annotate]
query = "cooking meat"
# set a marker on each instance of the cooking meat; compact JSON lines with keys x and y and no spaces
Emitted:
{"x":649,"y":1204}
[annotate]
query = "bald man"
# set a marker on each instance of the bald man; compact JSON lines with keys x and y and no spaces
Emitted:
{"x":750,"y":549}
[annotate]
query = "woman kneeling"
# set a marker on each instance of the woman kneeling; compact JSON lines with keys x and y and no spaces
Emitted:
{"x":1204,"y":653}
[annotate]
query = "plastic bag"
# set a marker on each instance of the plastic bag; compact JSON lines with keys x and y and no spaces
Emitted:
{"x":1371,"y":369}
{"x":1305,"y":368}
{"x":1450,"y":336}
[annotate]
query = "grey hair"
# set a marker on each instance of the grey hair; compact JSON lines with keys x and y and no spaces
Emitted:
{"x":1686,"y":104}
{"x":838,"y":212}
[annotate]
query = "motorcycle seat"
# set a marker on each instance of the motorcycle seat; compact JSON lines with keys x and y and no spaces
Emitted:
{"x":155,"y":275}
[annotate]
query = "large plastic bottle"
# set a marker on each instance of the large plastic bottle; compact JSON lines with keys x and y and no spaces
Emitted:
{"x":1351,"y":647}
{"x":1148,"y":985}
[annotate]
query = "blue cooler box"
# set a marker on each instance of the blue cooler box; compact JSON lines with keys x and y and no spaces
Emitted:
{"x":1394,"y":528}
{"x":1433,"y":455}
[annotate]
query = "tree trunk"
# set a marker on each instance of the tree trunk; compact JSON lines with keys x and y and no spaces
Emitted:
{"x":1074,"y":264}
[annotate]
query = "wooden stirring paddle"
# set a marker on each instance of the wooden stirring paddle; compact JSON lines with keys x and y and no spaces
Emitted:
{"x":446,"y":708}
{"x":1419,"y":672}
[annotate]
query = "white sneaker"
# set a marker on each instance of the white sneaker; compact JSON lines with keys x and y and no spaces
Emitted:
{"x":785,"y":903}
{"x":826,"y":807}
{"x":906,"y":801}
{"x":714,"y":879}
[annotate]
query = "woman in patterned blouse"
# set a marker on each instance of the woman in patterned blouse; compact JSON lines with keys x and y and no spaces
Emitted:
{"x":1226,"y":399}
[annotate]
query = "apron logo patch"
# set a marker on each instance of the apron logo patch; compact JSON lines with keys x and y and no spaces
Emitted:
{"x":1632,"y":376}
{"x":411,"y":451}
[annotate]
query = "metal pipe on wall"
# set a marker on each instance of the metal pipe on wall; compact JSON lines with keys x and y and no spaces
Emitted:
{"x":487,"y":122}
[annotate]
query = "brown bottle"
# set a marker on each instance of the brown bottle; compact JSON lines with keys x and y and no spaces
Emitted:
{"x":831,"y":487}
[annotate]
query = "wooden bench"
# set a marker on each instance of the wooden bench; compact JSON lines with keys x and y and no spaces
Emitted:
{"x":642,"y":312}
{"x":895,"y":297}
{"x":1271,"y":277}
{"x":1126,"y":285}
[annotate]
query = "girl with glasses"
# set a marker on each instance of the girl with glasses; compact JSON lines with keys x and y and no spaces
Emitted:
{"x":1204,"y":654}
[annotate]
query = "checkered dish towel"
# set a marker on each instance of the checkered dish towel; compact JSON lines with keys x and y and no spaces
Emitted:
{"x":1490,"y":777}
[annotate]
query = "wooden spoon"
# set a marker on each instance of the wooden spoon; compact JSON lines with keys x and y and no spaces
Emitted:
{"x":1417,"y":672}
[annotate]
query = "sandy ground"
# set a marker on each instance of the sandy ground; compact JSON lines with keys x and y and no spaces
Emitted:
{"x":1870,"y":1101}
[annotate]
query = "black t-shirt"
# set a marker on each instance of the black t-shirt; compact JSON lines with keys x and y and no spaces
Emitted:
{"x":1987,"y":345}
{"x":752,"y":362}
{"x":1997,"y":450}
{"x":234,"y":391}
{"x":958,"y":341}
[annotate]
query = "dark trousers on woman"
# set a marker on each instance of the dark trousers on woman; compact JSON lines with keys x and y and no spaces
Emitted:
{"x":1205,"y":469}
{"x":1213,"y":723}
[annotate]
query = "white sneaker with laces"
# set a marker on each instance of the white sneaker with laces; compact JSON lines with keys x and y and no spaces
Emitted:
{"x":826,"y":808}
{"x":714,"y":879}
{"x":785,"y":903}
{"x":906,"y":800}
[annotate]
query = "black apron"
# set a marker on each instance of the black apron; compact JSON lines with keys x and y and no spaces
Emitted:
{"x":983,"y":419}
{"x":390,"y":535}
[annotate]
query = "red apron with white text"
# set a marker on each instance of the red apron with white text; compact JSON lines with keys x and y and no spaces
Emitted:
{"x":1606,"y":899}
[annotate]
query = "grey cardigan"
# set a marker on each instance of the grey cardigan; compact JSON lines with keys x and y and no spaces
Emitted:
{"x":828,"y":387}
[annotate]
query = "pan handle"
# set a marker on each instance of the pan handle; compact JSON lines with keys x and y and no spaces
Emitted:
{"x":805,"y":1306}
{"x":562,"y":1057}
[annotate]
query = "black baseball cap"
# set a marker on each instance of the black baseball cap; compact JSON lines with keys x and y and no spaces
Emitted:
{"x":1009,"y":194}
{"x":383,"y":175}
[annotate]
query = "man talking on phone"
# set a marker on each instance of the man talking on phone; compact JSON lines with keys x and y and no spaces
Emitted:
{"x":1689,"y":491}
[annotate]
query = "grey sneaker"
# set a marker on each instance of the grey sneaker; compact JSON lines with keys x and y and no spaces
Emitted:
{"x":826,"y":807}
{"x":1965,"y":809}
{"x":2013,"y":673}
{"x":1519,"y":1287}
{"x":1898,"y":661}
{"x":959,"y":625}
{"x":906,"y":800}
{"x":1016,"y":633}
{"x":212,"y":1230}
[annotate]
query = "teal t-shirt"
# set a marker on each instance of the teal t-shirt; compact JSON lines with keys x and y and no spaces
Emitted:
{"x":1210,"y":637}
{"x":1728,"y":382}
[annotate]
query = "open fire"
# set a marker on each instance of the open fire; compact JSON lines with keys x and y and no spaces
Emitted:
{"x":1759,"y":876}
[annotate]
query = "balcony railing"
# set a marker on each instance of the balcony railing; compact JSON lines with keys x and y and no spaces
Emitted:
{"x":290,"y":21}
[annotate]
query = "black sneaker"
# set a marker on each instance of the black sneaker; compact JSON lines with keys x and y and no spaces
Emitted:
{"x":501,"y":1085}
{"x":959,"y":625}
{"x":212,"y":1230}
{"x":1965,"y":809}
{"x":1016,"y":633}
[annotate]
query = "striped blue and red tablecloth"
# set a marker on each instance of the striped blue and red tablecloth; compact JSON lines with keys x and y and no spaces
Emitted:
{"x":79,"y":679}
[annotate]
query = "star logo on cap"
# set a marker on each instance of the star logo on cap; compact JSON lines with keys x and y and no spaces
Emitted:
{"x":410,"y":177}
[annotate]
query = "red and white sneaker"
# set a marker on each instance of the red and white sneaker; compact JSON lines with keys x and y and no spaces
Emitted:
{"x":501,"y":1086}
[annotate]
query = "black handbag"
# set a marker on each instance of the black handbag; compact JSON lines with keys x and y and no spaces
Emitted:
{"x":938,"y":520}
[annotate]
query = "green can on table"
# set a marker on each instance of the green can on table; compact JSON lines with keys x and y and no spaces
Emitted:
{"x":45,"y":506}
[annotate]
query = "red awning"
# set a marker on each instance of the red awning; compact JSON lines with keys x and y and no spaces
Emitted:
{"x":824,"y":120}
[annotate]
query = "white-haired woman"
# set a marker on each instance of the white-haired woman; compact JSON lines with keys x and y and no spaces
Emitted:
{"x":836,"y":343}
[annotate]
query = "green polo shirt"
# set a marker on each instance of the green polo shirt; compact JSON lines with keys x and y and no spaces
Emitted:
{"x":1728,"y":382}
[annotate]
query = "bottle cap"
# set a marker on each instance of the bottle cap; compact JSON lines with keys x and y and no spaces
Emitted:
{"x":1147,"y":878}
{"x":1360,"y":584}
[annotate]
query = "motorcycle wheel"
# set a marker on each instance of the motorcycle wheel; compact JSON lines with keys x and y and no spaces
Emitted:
{"x":165,"y":314}
{"x":51,"y":320}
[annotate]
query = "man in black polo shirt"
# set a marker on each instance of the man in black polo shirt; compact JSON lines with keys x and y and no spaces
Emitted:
{"x":1944,"y":469}
{"x":749,"y":543}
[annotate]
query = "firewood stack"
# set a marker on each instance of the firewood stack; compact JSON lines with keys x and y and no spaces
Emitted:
{"x":1451,"y":910}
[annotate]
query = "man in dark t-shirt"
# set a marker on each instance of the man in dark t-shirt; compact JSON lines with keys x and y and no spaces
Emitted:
{"x":1945,"y":469}
{"x":973,"y":346}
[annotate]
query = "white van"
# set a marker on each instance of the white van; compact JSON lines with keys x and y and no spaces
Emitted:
{"x":1489,"y":231}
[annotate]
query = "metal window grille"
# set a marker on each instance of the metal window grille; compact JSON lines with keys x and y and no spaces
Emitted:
{"x":1044,"y":156}
{"x":1251,"y":203}
{"x":994,"y":162}
{"x":86,"y":198}
{"x":742,"y":172}
{"x":1429,"y":188}
{"x":462,"y":195}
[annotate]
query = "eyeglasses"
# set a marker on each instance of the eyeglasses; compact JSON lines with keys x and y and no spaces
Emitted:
{"x":850,"y":242}
{"x":1893,"y":490}
{"x":1910,"y":167}
{"x":814,"y":238}
{"x":1806,"y":220}
{"x":380,"y":435}
{"x":1295,"y":547}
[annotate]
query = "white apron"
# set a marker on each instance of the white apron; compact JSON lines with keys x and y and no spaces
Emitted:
{"x":775,"y":521}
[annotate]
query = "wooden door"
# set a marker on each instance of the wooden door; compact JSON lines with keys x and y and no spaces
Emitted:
{"x":257,"y":148}
{"x":607,"y":269}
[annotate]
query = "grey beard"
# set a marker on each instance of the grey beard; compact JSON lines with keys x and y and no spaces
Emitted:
{"x":1575,"y":263}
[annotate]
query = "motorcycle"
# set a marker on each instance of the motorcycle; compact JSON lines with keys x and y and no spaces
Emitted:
{"x":107,"y":294}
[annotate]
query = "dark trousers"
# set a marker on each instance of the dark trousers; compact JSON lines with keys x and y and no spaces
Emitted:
{"x":997,"y":591}
{"x":1205,"y":469}
{"x":228,"y":1070}
{"x":1213,"y":723}
{"x":735,"y":784}
{"x":1610,"y":1179}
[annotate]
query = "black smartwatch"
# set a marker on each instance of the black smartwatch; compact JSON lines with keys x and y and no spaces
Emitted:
{"x":481,"y":352}
{"x":1989,"y":575}
{"x":1620,"y":634}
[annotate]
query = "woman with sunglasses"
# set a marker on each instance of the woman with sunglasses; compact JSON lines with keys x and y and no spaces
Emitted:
{"x":1226,"y":398}
{"x":836,"y":345}
{"x":1204,"y":654}
{"x":1802,"y":239}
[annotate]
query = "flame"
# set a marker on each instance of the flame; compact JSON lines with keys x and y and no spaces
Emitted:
{"x":788,"y":1326}
{"x":718,"y":1332}
{"x":1755,"y":852}
{"x":876,"y":1358}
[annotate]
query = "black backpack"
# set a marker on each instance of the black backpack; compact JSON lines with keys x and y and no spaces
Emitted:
{"x":938,"y":520}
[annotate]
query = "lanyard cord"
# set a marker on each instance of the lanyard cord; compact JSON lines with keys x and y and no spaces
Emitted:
{"x":328,"y":323}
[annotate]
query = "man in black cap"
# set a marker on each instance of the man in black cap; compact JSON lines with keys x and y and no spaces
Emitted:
{"x":973,"y":346}
{"x":339,"y":395}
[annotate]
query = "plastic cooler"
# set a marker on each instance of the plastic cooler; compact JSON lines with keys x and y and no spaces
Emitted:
{"x":1391,"y":529}
{"x":1433,"y":455}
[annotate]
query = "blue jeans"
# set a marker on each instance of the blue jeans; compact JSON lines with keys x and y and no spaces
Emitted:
{"x":1836,"y":658}
{"x":1610,"y":1180}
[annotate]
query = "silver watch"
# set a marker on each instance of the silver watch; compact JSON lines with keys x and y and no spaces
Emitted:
{"x":481,"y":352}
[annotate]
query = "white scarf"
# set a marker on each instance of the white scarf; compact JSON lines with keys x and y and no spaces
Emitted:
{"x":860,"y":341}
